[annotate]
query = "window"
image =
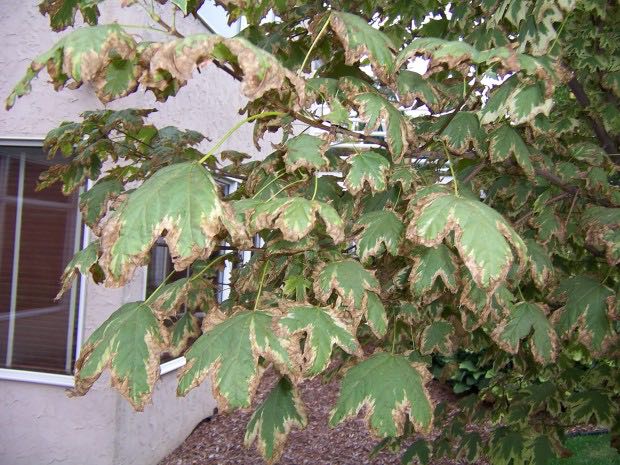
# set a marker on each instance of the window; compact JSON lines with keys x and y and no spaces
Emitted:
{"x":39,"y":233}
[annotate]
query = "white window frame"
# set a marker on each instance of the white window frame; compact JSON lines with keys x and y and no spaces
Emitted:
{"x":37,"y":377}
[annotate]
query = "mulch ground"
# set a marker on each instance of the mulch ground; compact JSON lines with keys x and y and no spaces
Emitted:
{"x":219,"y":441}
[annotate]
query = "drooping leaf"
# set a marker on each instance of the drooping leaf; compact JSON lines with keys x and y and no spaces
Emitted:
{"x":506,"y":445}
{"x":527,"y":102}
{"x":348,"y":279}
{"x":541,"y":266}
{"x":526,"y":318}
{"x":62,"y":12}
{"x":94,"y":202}
{"x":463,"y":132}
{"x":593,"y":404}
{"x":181,"y":199}
{"x":483,"y":237}
{"x":412,"y":86}
{"x":542,"y":450}
{"x":382,"y":233}
{"x":418,"y":451}
{"x":229,"y":349}
{"x":588,"y":310}
{"x":85,"y":56}
{"x":376,"y":317}
{"x":322,"y":329}
{"x":602,"y":226}
{"x":361,"y":39}
{"x":390,"y":387}
{"x":296,"y":217}
{"x":305,"y":151}
{"x":436,"y":337}
{"x":497,"y":105}
{"x":430,"y":264}
{"x":272,"y":420}
{"x":471,"y":447}
{"x":83,"y":262}
{"x":367,"y":167}
{"x":184,"y":330}
{"x":506,"y":141}
{"x":129,"y":344}
{"x":188,"y":6}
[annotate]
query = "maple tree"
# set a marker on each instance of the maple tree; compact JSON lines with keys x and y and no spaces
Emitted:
{"x":478,"y":210}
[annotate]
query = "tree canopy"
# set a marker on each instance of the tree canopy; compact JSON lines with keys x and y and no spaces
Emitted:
{"x":453,"y":189}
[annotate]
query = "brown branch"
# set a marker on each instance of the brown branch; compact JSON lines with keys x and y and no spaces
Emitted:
{"x":473,"y":173}
{"x":552,"y":200}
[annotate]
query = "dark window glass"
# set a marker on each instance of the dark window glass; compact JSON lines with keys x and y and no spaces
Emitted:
{"x":39,"y":233}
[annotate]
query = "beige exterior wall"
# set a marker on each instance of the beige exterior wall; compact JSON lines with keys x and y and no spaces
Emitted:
{"x":40,"y":425}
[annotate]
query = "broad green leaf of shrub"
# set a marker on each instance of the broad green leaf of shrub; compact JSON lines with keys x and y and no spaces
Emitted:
{"x":482,"y":236}
{"x":296,"y":217}
{"x":526,"y":318}
{"x":470,"y":447}
{"x":602,"y":227}
{"x":361,"y":39}
{"x":382,"y":232}
{"x":305,"y":151}
{"x":374,"y":109}
{"x":183,"y":331}
{"x":229,"y":349}
{"x":541,"y":450}
{"x":62,"y":12}
{"x":430,"y":264}
{"x":527,"y":102}
{"x":168,"y":299}
{"x":593,"y":404}
{"x":391,"y":388}
{"x":541,"y":266}
{"x":85,"y":56}
{"x":463,"y":132}
{"x":83,"y":262}
{"x":506,"y":141}
{"x":348,"y":279}
{"x":181,"y":199}
{"x":273,"y":419}
{"x":412,"y":86}
{"x":367,"y":167}
{"x":323,"y":330}
{"x":94,"y":202}
{"x":376,"y":317}
{"x":506,"y":446}
{"x":588,"y":309}
{"x":129,"y":344}
{"x":436,"y":337}
{"x":420,"y":451}
{"x":497,"y":105}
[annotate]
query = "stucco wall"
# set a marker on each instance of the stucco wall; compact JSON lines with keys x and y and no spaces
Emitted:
{"x":40,"y":425}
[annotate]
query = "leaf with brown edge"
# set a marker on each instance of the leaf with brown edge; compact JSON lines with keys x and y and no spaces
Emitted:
{"x":373,"y":108}
{"x":83,"y":262}
{"x":305,"y":151}
{"x":528,"y":318}
{"x":436,"y":337}
{"x":168,"y":299}
{"x":94,"y":202}
{"x":602,"y":227}
{"x":273,"y":419}
{"x":412,"y":86}
{"x":182,"y":200}
{"x":85,"y":56}
{"x":322,"y":330}
{"x":367,"y":167}
{"x":382,"y":232}
{"x":484,"y":238}
{"x":463,"y":132}
{"x":129,"y":344}
{"x":229,"y":349}
{"x":62,"y":12}
{"x":184,"y":330}
{"x":296,"y":217}
{"x":541,"y":266}
{"x":430,"y":264}
{"x":391,"y":388}
{"x":375,"y":315}
{"x":360,"y":39}
{"x":506,"y":141}
{"x":348,"y":279}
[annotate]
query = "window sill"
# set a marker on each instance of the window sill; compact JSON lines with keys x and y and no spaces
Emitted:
{"x":172,"y":365}
{"x":51,"y":379}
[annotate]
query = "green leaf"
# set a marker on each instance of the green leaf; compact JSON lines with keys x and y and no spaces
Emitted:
{"x":296,"y":285}
{"x":361,"y":39}
{"x":527,"y":102}
{"x":272,"y":421}
{"x":296,"y":217}
{"x":541,"y":266}
{"x":83,"y":262}
{"x":506,"y":445}
{"x":184,"y":330}
{"x":506,"y":141}
{"x":429,"y":265}
{"x":62,"y":12}
{"x":603,"y":231}
{"x":526,"y":318}
{"x":382,"y":232}
{"x":376,"y":317}
{"x":471,"y":447}
{"x":497,"y":105}
{"x":593,"y":404}
{"x":412,"y":86}
{"x":588,"y":309}
{"x":85,"y":56}
{"x":168,"y":299}
{"x":436,"y":337}
{"x":542,"y":450}
{"x":229,"y":349}
{"x":482,"y":236}
{"x":188,"y":6}
{"x":373,"y":109}
{"x":349,"y":280}
{"x":418,"y":451}
{"x":463,"y":132}
{"x":94,"y":202}
{"x":367,"y":167}
{"x":322,"y":329}
{"x":181,"y":199}
{"x":305,"y":151}
{"x":391,"y":388}
{"x":129,"y":344}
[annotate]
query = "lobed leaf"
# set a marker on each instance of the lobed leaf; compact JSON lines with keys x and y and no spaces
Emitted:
{"x":436,"y":337}
{"x":367,"y":167}
{"x":83,"y":262}
{"x":382,"y":232}
{"x":506,"y":141}
{"x":429,"y":265}
{"x":305,"y":151}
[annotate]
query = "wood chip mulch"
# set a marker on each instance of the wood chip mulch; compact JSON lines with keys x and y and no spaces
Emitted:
{"x":219,"y":440}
